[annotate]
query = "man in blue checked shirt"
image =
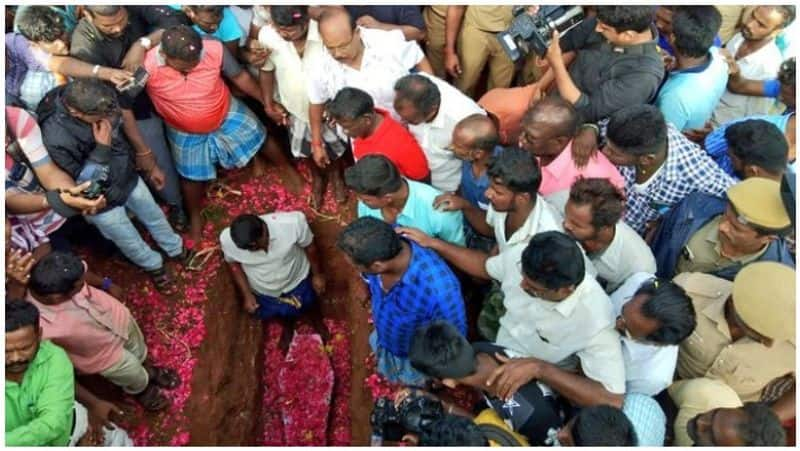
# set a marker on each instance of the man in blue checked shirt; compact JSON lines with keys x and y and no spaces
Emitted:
{"x":410,"y":286}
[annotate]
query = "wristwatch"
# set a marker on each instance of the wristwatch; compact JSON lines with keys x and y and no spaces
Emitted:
{"x":145,"y":42}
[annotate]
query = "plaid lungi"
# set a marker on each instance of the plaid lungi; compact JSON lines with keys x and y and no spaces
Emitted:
{"x":232,"y":145}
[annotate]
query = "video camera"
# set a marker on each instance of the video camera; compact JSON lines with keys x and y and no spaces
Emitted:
{"x":533,"y":32}
{"x":413,"y":415}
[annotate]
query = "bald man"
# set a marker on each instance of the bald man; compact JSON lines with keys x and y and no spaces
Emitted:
{"x":548,"y":129}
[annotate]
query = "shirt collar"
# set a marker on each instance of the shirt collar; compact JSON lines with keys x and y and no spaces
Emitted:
{"x":642,"y":48}
{"x":695,"y":69}
{"x":562,"y":164}
{"x":533,"y":223}
{"x":567,"y":306}
{"x":715,"y":312}
{"x":408,"y":208}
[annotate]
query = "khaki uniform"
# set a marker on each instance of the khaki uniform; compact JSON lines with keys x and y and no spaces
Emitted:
{"x":478,"y":44}
{"x":434,"y":16}
{"x":697,"y":396}
{"x":747,"y":366}
{"x":702,"y":252}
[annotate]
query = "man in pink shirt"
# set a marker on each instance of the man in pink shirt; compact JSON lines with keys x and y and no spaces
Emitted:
{"x":548,"y":129}
{"x":97,"y":331}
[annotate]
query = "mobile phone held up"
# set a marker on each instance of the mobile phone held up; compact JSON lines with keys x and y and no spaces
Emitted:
{"x":135,"y":86}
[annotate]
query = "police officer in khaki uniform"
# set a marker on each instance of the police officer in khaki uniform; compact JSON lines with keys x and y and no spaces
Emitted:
{"x":745,"y":334}
{"x":696,"y":396}
{"x":477,"y":46}
{"x":434,"y":16}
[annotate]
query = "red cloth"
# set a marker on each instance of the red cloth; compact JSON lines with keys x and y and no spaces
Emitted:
{"x":396,"y":143}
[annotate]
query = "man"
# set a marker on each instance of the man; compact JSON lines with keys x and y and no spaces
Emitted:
{"x":697,"y":79}
{"x":432,"y":108}
{"x":435,"y":16}
{"x":665,"y":23}
{"x":368,"y":59}
{"x":744,"y":336}
{"x":205,"y":124}
{"x":374,"y":132}
{"x":713,"y":235}
{"x":781,"y":88}
{"x":752,"y":147}
{"x":384,"y":194}
{"x":758,"y":58}
{"x":660,"y":165}
{"x":471,"y":43}
{"x":598,"y":426}
{"x":711,"y":414}
{"x":406,"y":18}
{"x":275,"y":265}
{"x":119,"y":36}
{"x":593,"y":216}
{"x":215,"y":21}
{"x":548,"y":129}
{"x":40,"y":385}
{"x":81,"y":126}
{"x":409,"y":286}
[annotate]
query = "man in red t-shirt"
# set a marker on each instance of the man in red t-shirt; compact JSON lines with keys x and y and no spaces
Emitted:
{"x":373,"y":131}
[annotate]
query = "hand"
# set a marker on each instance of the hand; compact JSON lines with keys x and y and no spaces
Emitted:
{"x":367,"y":22}
{"x":532,"y":10}
{"x":320,"y":155}
{"x":404,"y":393}
{"x":733,"y":67}
{"x":117,"y":76}
{"x":449,"y":202}
{"x":451,"y":64}
{"x":250,"y":303}
{"x":669,"y":61}
{"x":255,"y":53}
{"x":73,"y":198}
{"x":650,"y":230}
{"x":116,"y":291}
{"x":102,"y":131}
{"x":416,"y":235}
{"x":92,"y":437}
{"x":18,"y":266}
{"x":100,"y":415}
{"x":513,"y":374}
{"x":319,"y":283}
{"x":553,"y":54}
{"x":584,"y":147}
{"x":134,"y":58}
{"x":698,"y":135}
{"x":157,"y":177}
{"x":277,"y":113}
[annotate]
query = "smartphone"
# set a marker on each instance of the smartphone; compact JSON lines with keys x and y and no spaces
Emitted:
{"x":136,"y":84}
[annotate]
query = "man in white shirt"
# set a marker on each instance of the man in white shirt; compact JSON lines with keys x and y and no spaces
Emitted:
{"x":432,"y":108}
{"x":758,"y":58}
{"x":275,"y":265}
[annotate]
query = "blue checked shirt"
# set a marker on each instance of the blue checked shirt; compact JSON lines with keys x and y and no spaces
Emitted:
{"x":687,"y":169}
{"x":428,"y":291}
{"x":717,"y":146}
{"x":647,"y":418}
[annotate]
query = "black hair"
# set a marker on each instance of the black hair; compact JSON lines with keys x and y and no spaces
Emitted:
{"x":91,"y":96}
{"x":787,"y":11}
{"x":695,"y":28}
{"x":762,"y":428}
{"x":554,"y":260}
{"x":668,"y":304}
{"x":289,"y":15}
{"x":436,"y":347}
{"x":246,"y":230}
{"x":603,"y":426}
{"x":350,"y":103}
{"x":786,"y":74}
{"x":330,"y":13}
{"x":214,"y":9}
{"x":626,"y":17}
{"x":56,"y":273}
{"x":373,"y":175}
{"x":40,"y":23}
{"x":182,"y":42}
{"x":368,"y":240}
{"x":608,"y":202}
{"x":452,"y":430}
{"x":559,"y":114}
{"x":638,"y":130}
{"x":759,"y":143}
{"x":19,"y":314}
{"x":517,"y":170}
{"x":105,"y":11}
{"x":420,"y":91}
{"x":788,"y":187}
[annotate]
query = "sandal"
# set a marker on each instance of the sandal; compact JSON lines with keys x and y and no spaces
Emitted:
{"x":163,"y":377}
{"x":152,"y":399}
{"x":163,"y":282}
{"x":185,"y":257}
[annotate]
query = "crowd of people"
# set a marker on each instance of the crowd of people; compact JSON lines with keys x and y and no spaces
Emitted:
{"x":597,"y":240}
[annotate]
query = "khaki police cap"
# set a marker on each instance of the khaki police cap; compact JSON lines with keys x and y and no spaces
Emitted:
{"x":758,"y":200}
{"x":764,"y":298}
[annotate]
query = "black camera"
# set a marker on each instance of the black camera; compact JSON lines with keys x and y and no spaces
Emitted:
{"x":533,"y":32}
{"x":413,"y":415}
{"x":96,"y":188}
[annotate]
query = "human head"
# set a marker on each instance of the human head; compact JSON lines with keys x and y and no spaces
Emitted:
{"x":181,"y":48}
{"x":767,"y":21}
{"x":757,"y":148}
{"x":438,"y":350}
{"x":786,"y":76}
{"x":620,"y":25}
{"x":369,"y":244}
{"x":416,"y":99}
{"x":636,"y":135}
{"x":548,"y":127}
{"x":514,"y":179}
{"x":694,"y":29}
{"x":57,"y":277}
{"x":90,"y":100}
{"x":23,"y":334}
{"x":452,"y":430}
{"x":340,"y":35}
{"x":552,"y":266}
{"x":354,"y":111}
{"x":592,"y":212}
{"x":375,"y":180}
{"x":250,"y":233}
{"x":663,"y":19}
{"x":45,"y":29}
{"x":110,"y":21}
{"x":598,"y":426}
{"x":660,"y":312}
{"x":206,"y":17}
{"x":474,"y":137}
{"x":290,"y":21}
{"x":754,"y":217}
{"x":754,"y":424}
{"x":762,"y":303}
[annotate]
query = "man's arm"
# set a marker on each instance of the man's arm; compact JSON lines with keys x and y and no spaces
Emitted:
{"x":566,"y":87}
{"x":145,"y":159}
{"x":240,"y":280}
{"x":135,"y":56}
{"x":471,"y":261}
{"x":452,"y":26}
{"x":76,"y":68}
{"x":234,"y":72}
{"x":474,"y":215}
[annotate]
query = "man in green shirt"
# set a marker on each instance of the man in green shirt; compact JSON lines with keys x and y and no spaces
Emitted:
{"x":40,"y":383}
